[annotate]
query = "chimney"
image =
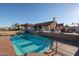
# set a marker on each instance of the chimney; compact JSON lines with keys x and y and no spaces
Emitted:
{"x":54,"y":23}
{"x":53,"y":18}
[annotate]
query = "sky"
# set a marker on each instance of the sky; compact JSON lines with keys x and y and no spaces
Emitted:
{"x":37,"y":13}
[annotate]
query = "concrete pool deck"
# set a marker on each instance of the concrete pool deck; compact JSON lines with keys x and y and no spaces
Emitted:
{"x":64,"y":49}
{"x":6,"y":48}
{"x":5,"y":33}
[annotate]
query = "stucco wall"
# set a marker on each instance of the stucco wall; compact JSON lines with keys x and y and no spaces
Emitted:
{"x":45,"y":28}
{"x":53,"y":26}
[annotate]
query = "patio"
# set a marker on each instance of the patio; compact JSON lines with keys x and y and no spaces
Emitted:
{"x":63,"y":49}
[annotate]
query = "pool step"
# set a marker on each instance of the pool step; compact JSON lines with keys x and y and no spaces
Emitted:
{"x":30,"y":48}
{"x":24,"y":45}
{"x":21,"y":42}
{"x":17,"y":50}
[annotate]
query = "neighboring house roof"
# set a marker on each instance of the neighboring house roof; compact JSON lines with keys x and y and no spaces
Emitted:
{"x":44,"y":24}
{"x":26,"y":24}
{"x":59,"y":25}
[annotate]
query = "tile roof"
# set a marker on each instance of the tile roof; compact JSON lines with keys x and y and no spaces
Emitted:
{"x":61,"y":24}
{"x":44,"y":24}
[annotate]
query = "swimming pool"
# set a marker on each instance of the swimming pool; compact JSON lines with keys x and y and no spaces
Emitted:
{"x":28,"y":43}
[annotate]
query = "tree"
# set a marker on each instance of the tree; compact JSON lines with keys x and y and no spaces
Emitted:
{"x":66,"y":26}
{"x":16,"y":26}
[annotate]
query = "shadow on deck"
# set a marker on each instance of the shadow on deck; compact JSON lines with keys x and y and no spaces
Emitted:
{"x":77,"y":53}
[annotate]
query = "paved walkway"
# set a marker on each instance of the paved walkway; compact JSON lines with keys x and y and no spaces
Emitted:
{"x":63,"y":50}
{"x":5,"y":33}
{"x":6,"y":46}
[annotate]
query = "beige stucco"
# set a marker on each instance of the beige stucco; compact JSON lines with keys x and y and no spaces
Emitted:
{"x":53,"y":26}
{"x":45,"y":28}
{"x":49,"y":27}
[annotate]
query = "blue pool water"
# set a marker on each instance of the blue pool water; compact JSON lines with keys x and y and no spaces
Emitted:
{"x":28,"y":43}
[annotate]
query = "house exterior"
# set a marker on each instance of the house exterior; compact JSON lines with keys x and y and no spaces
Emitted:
{"x":59,"y":27}
{"x":72,"y":29}
{"x":46,"y":26}
{"x":77,"y":29}
{"x":26,"y":26}
{"x":15,"y":26}
{"x":21,"y":26}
